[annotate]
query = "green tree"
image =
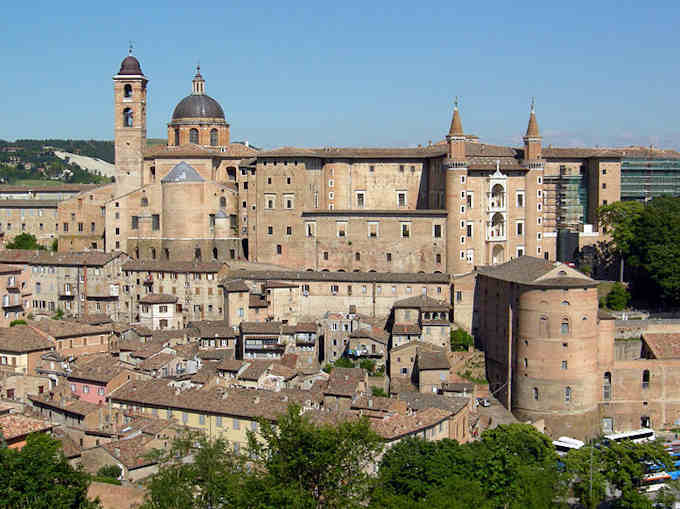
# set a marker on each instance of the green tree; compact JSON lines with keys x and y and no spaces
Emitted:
{"x":379,"y":392}
{"x":343,"y":362}
{"x":59,"y":314}
{"x":618,"y":297}
{"x":655,"y":250}
{"x":618,"y":464}
{"x":620,"y":220}
{"x":368,"y":365}
{"x":512,"y":466}
{"x":54,"y":246}
{"x":110,"y":471}
{"x":461,"y":340}
{"x":39,"y":477}
{"x":14,"y":323}
{"x":25,"y":241}
{"x":328,"y":464}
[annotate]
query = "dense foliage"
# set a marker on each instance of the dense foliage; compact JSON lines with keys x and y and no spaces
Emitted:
{"x":25,"y":241}
{"x":618,"y":297}
{"x":648,"y":238}
{"x":461,"y":340}
{"x":39,"y":477}
{"x":295,"y":464}
{"x":103,"y":150}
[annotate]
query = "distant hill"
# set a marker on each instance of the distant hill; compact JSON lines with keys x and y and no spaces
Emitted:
{"x":92,"y":148}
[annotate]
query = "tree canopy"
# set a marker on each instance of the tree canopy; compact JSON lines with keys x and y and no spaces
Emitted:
{"x":648,"y":237}
{"x":25,"y":241}
{"x":39,"y":477}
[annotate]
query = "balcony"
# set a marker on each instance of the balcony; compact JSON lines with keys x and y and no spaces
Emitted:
{"x":12,"y":284}
{"x":11,"y":301}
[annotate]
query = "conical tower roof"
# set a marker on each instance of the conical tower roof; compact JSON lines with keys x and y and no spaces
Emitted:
{"x":456,"y":125}
{"x":532,"y":128}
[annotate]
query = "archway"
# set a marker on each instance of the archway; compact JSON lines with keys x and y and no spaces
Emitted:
{"x":498,"y":255}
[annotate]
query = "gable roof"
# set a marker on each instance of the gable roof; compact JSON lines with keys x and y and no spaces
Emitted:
{"x":22,"y":339}
{"x":182,"y":172}
{"x":663,"y":345}
{"x":422,"y":302}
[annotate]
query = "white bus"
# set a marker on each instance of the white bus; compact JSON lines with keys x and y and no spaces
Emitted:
{"x":654,"y":481}
{"x":638,"y":436}
{"x":565,"y":444}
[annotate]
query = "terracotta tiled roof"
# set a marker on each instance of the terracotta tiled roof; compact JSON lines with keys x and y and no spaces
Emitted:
{"x":432,"y":359}
{"x":375,"y":333}
{"x":166,"y":335}
{"x":29,"y":204}
{"x":236,"y":286}
{"x":204,"y":374}
{"x":379,"y":403}
{"x":406,"y":328}
{"x":131,"y":452}
{"x":308,"y":327}
{"x":345,"y":381}
{"x":255,"y":369}
{"x":72,"y":406}
{"x":70,"y":258}
{"x":421,"y":401}
{"x":531,"y":270}
{"x":22,"y":339}
{"x":69,"y":446}
{"x":59,"y":329}
{"x":456,"y":128}
{"x":423,"y":303}
{"x":216,"y":354}
{"x":375,"y":213}
{"x":663,"y":345}
{"x":156,"y":361}
{"x":398,"y":425}
{"x":358,"y":153}
{"x":277,"y":369}
{"x":279,"y":284}
{"x":16,"y":426}
{"x":532,"y":128}
{"x":158,"y":298}
{"x":98,"y":368}
{"x":230,"y":365}
{"x":170,"y":266}
{"x":236,"y":402}
{"x":188,"y":351}
{"x":95,"y":319}
{"x":261,"y":327}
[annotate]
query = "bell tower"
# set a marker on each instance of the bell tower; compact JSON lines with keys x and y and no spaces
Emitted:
{"x":129,"y":92}
{"x":456,"y":167}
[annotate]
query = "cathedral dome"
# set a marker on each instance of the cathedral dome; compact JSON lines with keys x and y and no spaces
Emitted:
{"x":130,"y":66}
{"x":198,"y":106}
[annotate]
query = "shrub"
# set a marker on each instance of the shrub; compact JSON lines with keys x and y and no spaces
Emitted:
{"x":461,"y":340}
{"x":618,"y":297}
{"x":17,"y":322}
{"x":379,"y":392}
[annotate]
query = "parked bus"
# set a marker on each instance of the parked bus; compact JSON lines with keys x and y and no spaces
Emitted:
{"x":638,"y":436}
{"x":654,"y":481}
{"x":565,"y":444}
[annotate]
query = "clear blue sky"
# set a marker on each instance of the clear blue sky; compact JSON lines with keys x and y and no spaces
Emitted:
{"x":369,"y":73}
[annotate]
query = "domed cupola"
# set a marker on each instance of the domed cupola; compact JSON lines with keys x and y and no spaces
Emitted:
{"x":130,"y":67}
{"x":198,"y":118}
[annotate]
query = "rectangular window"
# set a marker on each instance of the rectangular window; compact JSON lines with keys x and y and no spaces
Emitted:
{"x":405,"y":230}
{"x":519,"y":199}
{"x":341,"y":229}
{"x":201,"y":419}
{"x":469,"y":202}
{"x":310,"y":229}
{"x":372,"y":230}
{"x":236,"y":424}
{"x":156,"y":222}
{"x":288,"y":201}
{"x":520,"y":228}
{"x":270,"y":230}
{"x":520,"y":251}
{"x":279,"y":249}
{"x":470,"y":256}
{"x":564,"y":364}
{"x":9,"y":226}
{"x":269,"y":201}
{"x":325,"y":255}
{"x":135,"y":222}
{"x":401,"y":199}
{"x":437,"y":231}
{"x":388,"y":256}
{"x":361,"y":197}
{"x":469,"y":230}
{"x":80,"y":227}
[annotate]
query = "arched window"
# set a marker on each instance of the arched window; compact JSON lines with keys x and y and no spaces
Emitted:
{"x":564,"y":327}
{"x":497,"y":197}
{"x":607,"y":386}
{"x":127,"y":91}
{"x":565,"y":302}
{"x":535,"y":391}
{"x":497,"y":226}
{"x":145,"y":201}
{"x":127,"y":117}
{"x":543,"y":326}
{"x":193,"y":136}
{"x":213,"y":137}
{"x":176,"y":137}
{"x":526,"y":362}
{"x":214,"y":253}
{"x":567,"y":394}
{"x":645,"y":379}
{"x":197,"y":254}
{"x":223,"y":202}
